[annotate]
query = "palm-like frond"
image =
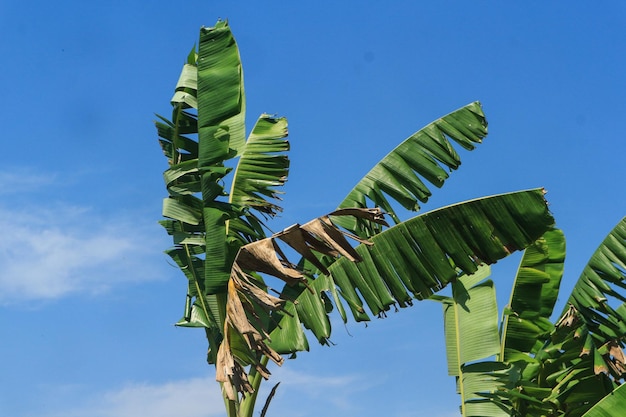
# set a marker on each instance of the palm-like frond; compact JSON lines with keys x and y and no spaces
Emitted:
{"x":583,"y":360}
{"x":610,"y":404}
{"x":471,"y":333}
{"x":526,"y":322}
{"x":420,"y":255}
{"x":262,"y":167}
{"x":207,"y":128}
{"x":601,"y":284}
{"x":426,"y":252}
{"x":566,"y":368}
{"x":424,"y":157}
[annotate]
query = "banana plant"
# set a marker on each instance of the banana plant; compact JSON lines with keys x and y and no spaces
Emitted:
{"x":531,"y":366}
{"x":348,"y":260}
{"x":477,"y":349}
{"x":583,"y":361}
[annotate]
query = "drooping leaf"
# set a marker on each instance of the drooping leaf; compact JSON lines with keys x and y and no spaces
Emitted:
{"x":438,"y":246}
{"x":246,"y":294}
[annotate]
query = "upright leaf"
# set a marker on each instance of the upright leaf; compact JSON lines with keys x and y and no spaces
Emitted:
{"x":424,"y":156}
{"x":262,"y":167}
{"x":603,"y":280}
{"x":535,"y":290}
{"x":471,"y":332}
{"x":221,"y":100}
{"x":579,"y":362}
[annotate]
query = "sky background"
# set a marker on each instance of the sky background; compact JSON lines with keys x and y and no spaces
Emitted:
{"x":87,"y":298}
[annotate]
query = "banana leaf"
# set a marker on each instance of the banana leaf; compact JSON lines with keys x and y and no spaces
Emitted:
{"x":526,"y":323}
{"x":610,"y":404}
{"x":426,"y":156}
{"x":437,"y":248}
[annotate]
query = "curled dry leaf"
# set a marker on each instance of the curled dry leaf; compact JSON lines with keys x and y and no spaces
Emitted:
{"x":569,"y":319}
{"x":246,"y":293}
{"x":615,"y":359}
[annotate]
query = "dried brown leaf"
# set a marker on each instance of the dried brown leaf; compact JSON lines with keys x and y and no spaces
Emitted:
{"x":245,"y":284}
{"x":375,"y":215}
{"x":569,"y":318}
{"x":295,"y":237}
{"x":616,"y":351}
{"x":246,"y":294}
{"x":616,"y":358}
{"x":330,"y":236}
{"x":261,"y":256}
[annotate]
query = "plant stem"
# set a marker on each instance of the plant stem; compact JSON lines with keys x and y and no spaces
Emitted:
{"x":231,"y":406}
{"x":255,"y":378}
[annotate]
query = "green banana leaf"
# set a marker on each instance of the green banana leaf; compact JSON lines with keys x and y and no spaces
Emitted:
{"x":263,"y":165}
{"x":416,"y":258}
{"x":610,"y":404}
{"x":470,"y":322}
{"x":423,"y":254}
{"x":434,"y":248}
{"x":218,"y":239}
{"x":565,"y":368}
{"x":472,"y":338}
{"x":221,"y":98}
{"x":526,"y":322}
{"x":424,"y":156}
{"x":601,"y":285}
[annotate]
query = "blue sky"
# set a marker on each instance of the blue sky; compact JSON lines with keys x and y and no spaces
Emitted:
{"x":87,"y":299}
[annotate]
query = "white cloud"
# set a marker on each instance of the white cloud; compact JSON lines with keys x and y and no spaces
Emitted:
{"x":337,"y":386}
{"x":20,"y":180}
{"x":191,"y":398}
{"x":300,"y":394}
{"x":305,"y":394}
{"x":195,"y":397}
{"x":49,"y":252}
{"x":200,"y":397}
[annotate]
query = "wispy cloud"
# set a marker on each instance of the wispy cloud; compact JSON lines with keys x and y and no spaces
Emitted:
{"x":195,"y":397}
{"x":306,"y":394}
{"x":20,"y":180}
{"x":300,"y":394}
{"x":200,"y":397}
{"x":310,"y":382}
{"x":49,"y":252}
